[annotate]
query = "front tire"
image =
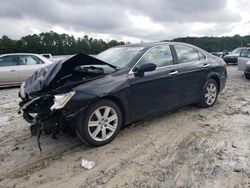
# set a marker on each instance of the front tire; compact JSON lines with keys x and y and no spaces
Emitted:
{"x":100,"y":124}
{"x":209,"y":94}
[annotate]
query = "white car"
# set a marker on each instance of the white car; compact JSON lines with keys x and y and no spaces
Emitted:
{"x":244,"y":62}
{"x":15,"y":68}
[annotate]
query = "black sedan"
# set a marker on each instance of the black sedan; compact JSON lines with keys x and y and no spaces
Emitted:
{"x":95,"y":97}
{"x":232,"y":58}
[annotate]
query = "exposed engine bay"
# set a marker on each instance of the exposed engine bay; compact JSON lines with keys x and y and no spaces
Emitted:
{"x":79,"y":74}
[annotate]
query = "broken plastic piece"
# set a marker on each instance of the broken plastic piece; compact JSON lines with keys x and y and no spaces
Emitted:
{"x":88,"y":164}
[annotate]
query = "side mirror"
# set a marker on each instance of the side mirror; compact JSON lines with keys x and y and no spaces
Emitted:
{"x":146,"y":67}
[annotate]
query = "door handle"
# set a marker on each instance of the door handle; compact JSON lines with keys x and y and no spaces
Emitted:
{"x":173,"y":73}
{"x":205,"y":65}
{"x":12,"y":70}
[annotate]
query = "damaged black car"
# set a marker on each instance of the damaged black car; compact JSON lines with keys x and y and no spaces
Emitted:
{"x":95,"y":96}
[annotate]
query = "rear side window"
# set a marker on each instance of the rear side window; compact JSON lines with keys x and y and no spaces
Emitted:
{"x":186,"y":54}
{"x":159,"y":55}
{"x":8,"y":61}
{"x":29,"y":60}
{"x":245,"y":53}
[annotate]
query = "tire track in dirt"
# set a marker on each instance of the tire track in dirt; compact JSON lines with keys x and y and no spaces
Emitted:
{"x":38,"y":164}
{"x":189,"y":147}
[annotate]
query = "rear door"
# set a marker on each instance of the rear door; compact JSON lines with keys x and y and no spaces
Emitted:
{"x":192,"y":70}
{"x":8,"y":70}
{"x":27,"y":66}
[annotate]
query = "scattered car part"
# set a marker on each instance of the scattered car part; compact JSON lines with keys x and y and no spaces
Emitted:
{"x":88,"y":164}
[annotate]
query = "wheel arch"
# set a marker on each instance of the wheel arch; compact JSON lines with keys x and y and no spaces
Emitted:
{"x":216,"y":78}
{"x":119,"y":103}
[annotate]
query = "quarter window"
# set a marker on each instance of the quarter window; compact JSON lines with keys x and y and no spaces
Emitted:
{"x":160,"y":55}
{"x":201,"y":56}
{"x":8,"y":61}
{"x":29,"y":60}
{"x":186,"y":54}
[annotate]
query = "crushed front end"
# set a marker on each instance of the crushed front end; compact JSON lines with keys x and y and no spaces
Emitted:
{"x":46,"y":114}
{"x":49,"y":99}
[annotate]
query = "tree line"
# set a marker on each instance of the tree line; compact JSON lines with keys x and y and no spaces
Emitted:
{"x":64,"y":44}
{"x":56,"y":44}
{"x":216,"y":44}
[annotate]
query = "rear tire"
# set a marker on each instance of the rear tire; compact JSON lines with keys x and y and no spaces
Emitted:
{"x":100,"y":123}
{"x":247,"y":76}
{"x":209,"y":94}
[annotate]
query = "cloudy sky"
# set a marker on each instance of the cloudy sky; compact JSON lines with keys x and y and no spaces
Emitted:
{"x":127,"y":20}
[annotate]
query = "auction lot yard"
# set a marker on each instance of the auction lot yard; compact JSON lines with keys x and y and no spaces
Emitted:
{"x":189,"y":147}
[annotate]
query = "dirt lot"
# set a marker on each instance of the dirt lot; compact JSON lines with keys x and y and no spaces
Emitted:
{"x":189,"y":147}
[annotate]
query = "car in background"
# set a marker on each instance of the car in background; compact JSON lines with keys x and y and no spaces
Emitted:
{"x":15,"y":68}
{"x":96,"y":96}
{"x":244,"y":62}
{"x":48,"y":56}
{"x":56,"y":58}
{"x":232,"y":58}
{"x":220,"y":54}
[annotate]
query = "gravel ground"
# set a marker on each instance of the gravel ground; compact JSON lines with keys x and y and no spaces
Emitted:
{"x":189,"y":147}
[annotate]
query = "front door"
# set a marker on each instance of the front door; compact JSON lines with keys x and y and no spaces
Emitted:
{"x":155,"y":90}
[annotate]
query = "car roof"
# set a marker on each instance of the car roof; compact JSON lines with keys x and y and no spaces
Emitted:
{"x":37,"y":55}
{"x":146,"y":44}
{"x":20,"y":54}
{"x":152,"y":44}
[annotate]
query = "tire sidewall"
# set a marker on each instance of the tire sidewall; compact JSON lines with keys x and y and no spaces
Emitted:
{"x":247,"y":76}
{"x":82,"y":125}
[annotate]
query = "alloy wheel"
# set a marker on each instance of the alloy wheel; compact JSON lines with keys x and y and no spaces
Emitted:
{"x":210,"y":93}
{"x":102,"y":123}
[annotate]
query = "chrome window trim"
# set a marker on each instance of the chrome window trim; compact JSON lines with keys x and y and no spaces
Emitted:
{"x":131,"y":70}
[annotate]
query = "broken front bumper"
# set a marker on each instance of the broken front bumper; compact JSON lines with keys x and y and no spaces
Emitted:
{"x":41,"y":114}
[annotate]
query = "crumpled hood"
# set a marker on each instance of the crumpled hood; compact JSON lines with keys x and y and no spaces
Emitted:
{"x":42,"y":78}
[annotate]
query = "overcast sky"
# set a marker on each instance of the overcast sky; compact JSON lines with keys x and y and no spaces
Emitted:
{"x":127,"y":20}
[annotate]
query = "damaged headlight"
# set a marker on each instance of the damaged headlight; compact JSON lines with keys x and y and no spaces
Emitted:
{"x":61,"y":100}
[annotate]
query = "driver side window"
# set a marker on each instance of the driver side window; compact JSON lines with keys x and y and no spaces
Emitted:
{"x":161,"y":56}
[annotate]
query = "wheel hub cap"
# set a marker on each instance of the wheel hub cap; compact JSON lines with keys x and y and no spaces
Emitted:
{"x":102,"y":123}
{"x":211,"y":93}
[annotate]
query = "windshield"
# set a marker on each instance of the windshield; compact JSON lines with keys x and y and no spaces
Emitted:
{"x":236,"y":51}
{"x":119,"y":56}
